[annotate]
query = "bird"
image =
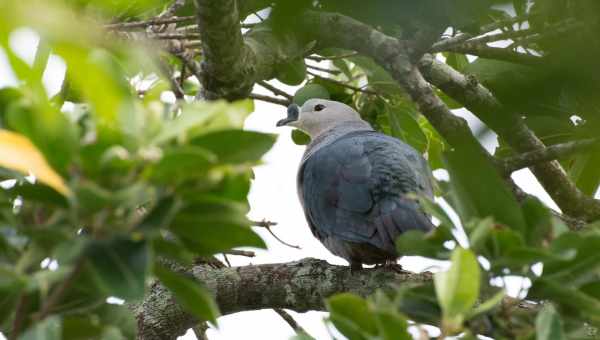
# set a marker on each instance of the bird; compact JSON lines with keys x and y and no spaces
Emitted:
{"x":355,"y":184}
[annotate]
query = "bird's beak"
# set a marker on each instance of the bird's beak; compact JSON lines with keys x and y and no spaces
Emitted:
{"x":292,"y":111}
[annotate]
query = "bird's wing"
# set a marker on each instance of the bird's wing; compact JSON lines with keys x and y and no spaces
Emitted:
{"x":355,"y":189}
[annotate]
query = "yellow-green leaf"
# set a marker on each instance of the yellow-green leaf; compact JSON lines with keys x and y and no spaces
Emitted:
{"x":18,"y":153}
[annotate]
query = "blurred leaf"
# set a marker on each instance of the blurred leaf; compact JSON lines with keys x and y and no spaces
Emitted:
{"x":202,"y":117}
{"x":173,"y":250}
{"x":161,"y":215}
{"x":457,"y":61}
{"x":210,"y":226}
{"x":236,"y":146}
{"x":351,"y":315}
{"x":457,"y":289}
{"x":182,"y":162}
{"x":584,"y":172}
{"x":419,"y":301}
{"x":310,"y":91}
{"x":119,"y":267}
{"x":478,"y":188}
{"x":431,"y":244}
{"x":292,"y":73}
{"x":488,"y":305}
{"x":189,"y":293}
{"x":571,"y":301}
{"x":392,"y":325}
{"x":405,"y":127}
{"x":378,"y":78}
{"x":49,"y":129}
{"x":548,"y":324}
{"x":300,"y":138}
{"x":80,"y":327}
{"x":539,"y":221}
{"x":18,"y":153}
{"x":47,"y":329}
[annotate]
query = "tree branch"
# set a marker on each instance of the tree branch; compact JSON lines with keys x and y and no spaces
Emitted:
{"x":299,"y":286}
{"x":232,"y":63}
{"x":496,"y":53}
{"x":481,"y":102}
{"x":549,"y":153}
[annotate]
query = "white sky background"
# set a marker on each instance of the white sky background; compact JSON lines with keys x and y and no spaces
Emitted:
{"x":272,"y":197}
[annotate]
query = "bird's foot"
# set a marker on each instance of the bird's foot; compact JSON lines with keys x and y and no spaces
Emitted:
{"x":355,"y":267}
{"x":392,"y":265}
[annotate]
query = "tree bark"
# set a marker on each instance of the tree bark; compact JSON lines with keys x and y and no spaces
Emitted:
{"x":300,"y":286}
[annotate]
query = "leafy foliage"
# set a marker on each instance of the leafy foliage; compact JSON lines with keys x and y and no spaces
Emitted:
{"x":114,"y":187}
{"x":119,"y":182}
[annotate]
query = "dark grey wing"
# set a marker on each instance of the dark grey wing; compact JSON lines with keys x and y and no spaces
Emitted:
{"x":355,"y":189}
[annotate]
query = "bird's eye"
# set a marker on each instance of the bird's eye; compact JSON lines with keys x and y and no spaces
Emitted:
{"x":319,"y":107}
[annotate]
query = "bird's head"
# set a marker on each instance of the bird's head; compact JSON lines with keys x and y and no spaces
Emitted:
{"x":318,"y":115}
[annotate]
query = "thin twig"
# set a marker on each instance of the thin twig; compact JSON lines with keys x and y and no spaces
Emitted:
{"x":267,"y":225}
{"x":348,"y":86}
{"x":322,"y":69}
{"x":290,"y":320}
{"x":237,"y":252}
{"x":263,"y":223}
{"x":146,"y":23}
{"x":275,"y":90}
{"x":497,"y":53}
{"x":19,"y":317}
{"x":58,"y":293}
{"x":549,"y":153}
{"x":170,"y":11}
{"x":274,"y":100}
{"x":460,"y":38}
{"x":226,"y":260}
{"x":179,"y":36}
{"x":341,"y":56}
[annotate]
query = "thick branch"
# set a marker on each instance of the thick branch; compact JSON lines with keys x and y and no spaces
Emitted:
{"x":232,"y":63}
{"x":300,"y":286}
{"x":481,"y":102}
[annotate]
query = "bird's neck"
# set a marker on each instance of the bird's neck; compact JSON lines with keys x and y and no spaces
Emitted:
{"x":327,"y":136}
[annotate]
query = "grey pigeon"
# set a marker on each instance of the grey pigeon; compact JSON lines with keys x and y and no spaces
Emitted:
{"x":353,"y":183}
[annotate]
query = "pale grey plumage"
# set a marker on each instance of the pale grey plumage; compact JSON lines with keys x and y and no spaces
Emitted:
{"x":353,"y":183}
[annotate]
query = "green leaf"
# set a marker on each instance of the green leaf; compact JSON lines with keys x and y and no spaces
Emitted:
{"x":174,"y":250}
{"x":190,"y":294}
{"x":478,"y":189}
{"x":539,"y":221}
{"x":300,"y":138}
{"x":584,"y":172}
{"x":47,"y":329}
{"x":119,"y":267}
{"x":310,"y":91}
{"x":202,"y":117}
{"x":548,"y":325}
{"x":180,"y":163}
{"x":211,"y":225}
{"x":350,"y":314}
{"x":457,"y":289}
{"x":236,"y":146}
{"x":488,"y":305}
{"x":405,"y":127}
{"x":392,"y":325}
{"x":418,"y":243}
{"x":292,"y":73}
{"x":161,"y":215}
{"x":572,"y":302}
{"x":208,"y":236}
{"x":457,"y":61}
